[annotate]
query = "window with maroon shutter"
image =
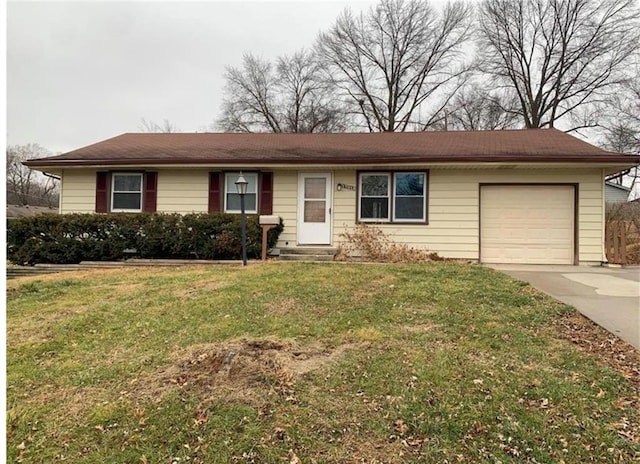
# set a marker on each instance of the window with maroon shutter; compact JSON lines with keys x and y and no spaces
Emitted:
{"x":126,"y":192}
{"x":215,"y":192}
{"x":232,"y":198}
{"x":102,"y":192}
{"x":150,"y":191}
{"x":266,"y":193}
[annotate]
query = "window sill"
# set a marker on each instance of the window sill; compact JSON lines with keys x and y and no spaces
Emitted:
{"x":393,"y":223}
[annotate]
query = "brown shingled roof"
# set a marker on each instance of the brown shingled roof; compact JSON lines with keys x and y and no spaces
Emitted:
{"x":531,"y":145}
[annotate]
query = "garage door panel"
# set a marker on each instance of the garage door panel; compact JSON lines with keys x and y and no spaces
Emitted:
{"x":527,"y":224}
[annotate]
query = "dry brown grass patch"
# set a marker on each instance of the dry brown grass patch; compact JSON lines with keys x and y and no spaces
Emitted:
{"x":419,"y":328}
{"x":242,"y":370}
{"x":197,"y":288}
{"x":36,"y":329}
{"x":281,"y":306}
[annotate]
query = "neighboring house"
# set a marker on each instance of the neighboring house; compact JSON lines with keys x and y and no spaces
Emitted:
{"x":20,"y":211}
{"x":616,"y":193}
{"x":518,"y":196}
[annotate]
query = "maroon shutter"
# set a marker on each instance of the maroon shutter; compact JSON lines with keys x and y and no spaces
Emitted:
{"x":215,"y":192}
{"x":266,"y":193}
{"x":150,"y":192}
{"x":102,"y":192}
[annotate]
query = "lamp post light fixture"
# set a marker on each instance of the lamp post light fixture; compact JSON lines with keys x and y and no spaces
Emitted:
{"x":241,"y":188}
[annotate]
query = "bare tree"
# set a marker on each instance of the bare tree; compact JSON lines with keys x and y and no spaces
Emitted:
{"x":396,"y":59}
{"x":288,"y":96}
{"x":557,"y":55}
{"x":24,"y":185}
{"x":622,"y":126}
{"x":152,"y":127}
{"x":476,"y":108}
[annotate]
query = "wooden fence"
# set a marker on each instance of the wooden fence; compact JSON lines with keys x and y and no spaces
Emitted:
{"x":622,"y":242}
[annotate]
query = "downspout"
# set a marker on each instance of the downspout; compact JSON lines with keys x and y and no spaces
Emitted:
{"x":603,"y":220}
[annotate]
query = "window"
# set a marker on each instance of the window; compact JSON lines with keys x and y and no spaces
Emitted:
{"x":393,"y":197}
{"x":409,"y":199}
{"x":232,"y":199}
{"x":126,"y":192}
{"x":374,"y":197}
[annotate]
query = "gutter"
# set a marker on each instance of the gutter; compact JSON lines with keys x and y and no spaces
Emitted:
{"x":51,"y":176}
{"x":618,"y":163}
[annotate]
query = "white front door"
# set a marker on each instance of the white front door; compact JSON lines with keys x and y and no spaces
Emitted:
{"x":314,"y":209}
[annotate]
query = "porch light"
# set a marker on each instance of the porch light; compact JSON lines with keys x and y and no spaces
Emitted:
{"x":241,"y":185}
{"x":241,"y":188}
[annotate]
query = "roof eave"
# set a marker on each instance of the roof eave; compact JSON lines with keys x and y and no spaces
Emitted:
{"x":619,"y":162}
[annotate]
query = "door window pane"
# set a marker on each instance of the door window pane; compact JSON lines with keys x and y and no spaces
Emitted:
{"x":315,"y":187}
{"x":314,"y":211}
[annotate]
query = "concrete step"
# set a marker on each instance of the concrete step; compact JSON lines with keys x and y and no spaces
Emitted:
{"x":305,"y":257}
{"x":304,"y":253}
{"x":313,"y":251}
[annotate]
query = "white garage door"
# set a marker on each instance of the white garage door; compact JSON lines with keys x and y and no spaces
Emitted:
{"x":531,"y":224}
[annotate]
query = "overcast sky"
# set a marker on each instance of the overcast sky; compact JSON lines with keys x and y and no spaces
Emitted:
{"x":81,"y":72}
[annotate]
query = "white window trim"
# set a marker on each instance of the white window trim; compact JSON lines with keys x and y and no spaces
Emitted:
{"x":226,"y":191}
{"x":113,"y":191}
{"x":392,"y":198}
{"x":389,"y":196}
{"x":424,"y":198}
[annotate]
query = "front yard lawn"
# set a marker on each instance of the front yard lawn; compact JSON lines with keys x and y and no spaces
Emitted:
{"x":306,"y":363}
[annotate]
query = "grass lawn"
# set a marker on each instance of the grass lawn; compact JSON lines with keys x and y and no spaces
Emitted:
{"x":305,"y":363}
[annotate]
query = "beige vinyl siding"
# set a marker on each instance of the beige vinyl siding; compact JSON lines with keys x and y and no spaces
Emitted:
{"x":78,"y":194}
{"x":453,"y":229}
{"x":453,"y":204}
{"x":184,"y":191}
{"x":285,"y":201}
{"x":452,"y":212}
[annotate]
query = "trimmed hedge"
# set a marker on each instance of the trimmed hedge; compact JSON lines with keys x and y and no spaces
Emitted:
{"x":71,"y":238}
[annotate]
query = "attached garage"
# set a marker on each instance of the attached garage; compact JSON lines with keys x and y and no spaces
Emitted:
{"x":528,"y":224}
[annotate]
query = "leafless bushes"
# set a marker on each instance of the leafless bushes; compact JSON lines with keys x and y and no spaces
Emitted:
{"x":372,"y":244}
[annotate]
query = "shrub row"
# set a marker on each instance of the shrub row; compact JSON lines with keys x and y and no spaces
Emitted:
{"x":71,"y":238}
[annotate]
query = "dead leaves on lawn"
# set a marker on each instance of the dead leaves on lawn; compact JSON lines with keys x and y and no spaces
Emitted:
{"x":613,"y":352}
{"x":610,"y":350}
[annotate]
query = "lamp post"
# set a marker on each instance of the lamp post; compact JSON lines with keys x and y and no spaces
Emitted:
{"x":241,"y":188}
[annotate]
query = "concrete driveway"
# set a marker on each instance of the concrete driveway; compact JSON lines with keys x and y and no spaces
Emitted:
{"x":608,"y":296}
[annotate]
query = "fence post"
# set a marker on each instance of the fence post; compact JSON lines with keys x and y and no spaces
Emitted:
{"x":616,"y":242}
{"x":623,"y":243}
{"x":607,"y":241}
